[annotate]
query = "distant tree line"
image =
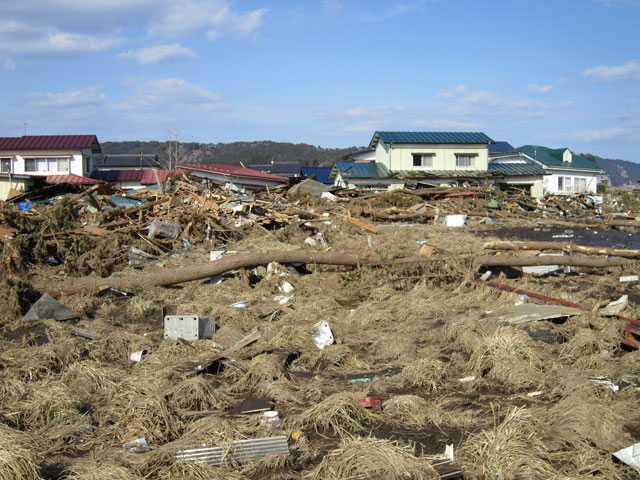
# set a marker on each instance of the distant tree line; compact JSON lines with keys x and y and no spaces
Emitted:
{"x":249,"y":153}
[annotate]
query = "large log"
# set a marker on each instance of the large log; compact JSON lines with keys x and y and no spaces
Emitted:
{"x":562,"y":246}
{"x":571,"y":260}
{"x":232,"y":262}
{"x":399,"y":216}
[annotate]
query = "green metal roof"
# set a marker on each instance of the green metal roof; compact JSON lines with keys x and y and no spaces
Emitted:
{"x":360,"y":170}
{"x":517,"y":169}
{"x":552,"y":158}
{"x":430,"y":137}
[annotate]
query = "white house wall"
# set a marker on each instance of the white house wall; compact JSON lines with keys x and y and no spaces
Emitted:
{"x":551,"y":182}
{"x":400,"y":156}
{"x":77,"y":164}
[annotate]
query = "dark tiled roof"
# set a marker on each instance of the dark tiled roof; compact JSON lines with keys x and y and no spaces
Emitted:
{"x":132,"y":161}
{"x":553,"y":158}
{"x":49,"y":142}
{"x":288,"y":169}
{"x":231,"y":170}
{"x":360,"y":170}
{"x":149,"y":178}
{"x":430,"y":137}
{"x":321,"y":173}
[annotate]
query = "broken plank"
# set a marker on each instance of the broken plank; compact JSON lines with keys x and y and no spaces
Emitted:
{"x":360,"y":224}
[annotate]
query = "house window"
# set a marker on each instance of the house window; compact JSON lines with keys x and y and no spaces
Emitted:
{"x":53,"y":164}
{"x":5,"y":165}
{"x":560,"y":184}
{"x":423,"y":159}
{"x":565,"y":184}
{"x":464,"y":160}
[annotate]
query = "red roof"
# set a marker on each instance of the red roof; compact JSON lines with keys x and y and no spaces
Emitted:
{"x":148,"y":178}
{"x":130,"y":175}
{"x":232,"y":170}
{"x":47,"y":142}
{"x":70,"y":178}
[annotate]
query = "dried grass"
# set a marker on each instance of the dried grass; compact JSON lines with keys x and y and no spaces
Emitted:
{"x":17,"y":459}
{"x":509,"y":449}
{"x":198,"y":393}
{"x":372,"y":458}
{"x":339,"y":413}
{"x":407,"y":410}
{"x":425,"y":374}
{"x":509,"y":356}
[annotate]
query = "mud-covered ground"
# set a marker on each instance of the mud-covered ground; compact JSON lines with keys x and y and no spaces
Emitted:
{"x":405,"y":334}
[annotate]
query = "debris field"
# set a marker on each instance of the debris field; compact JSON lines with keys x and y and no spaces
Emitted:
{"x":191,"y":332}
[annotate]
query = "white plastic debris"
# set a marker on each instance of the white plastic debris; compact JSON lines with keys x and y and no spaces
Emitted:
{"x":467,"y":379}
{"x":322,"y":335}
{"x":310,"y":241}
{"x":137,"y":356}
{"x":486,"y":276}
{"x":629,"y":278}
{"x":242,"y":304}
{"x":138,"y":446}
{"x":534,"y":394}
{"x":328,"y":196}
{"x":606,"y":382}
{"x":630,"y":455}
{"x":614,"y":308}
{"x":283,"y":300}
{"x":456,"y":220}
{"x":285,"y":287}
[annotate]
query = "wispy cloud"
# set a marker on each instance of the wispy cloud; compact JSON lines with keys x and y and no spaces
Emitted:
{"x":608,"y":3}
{"x":596,"y":135}
{"x":604,"y":73}
{"x":465,"y":102}
{"x":539,"y":89}
{"x":72,"y":98}
{"x":9,"y":65}
{"x":393,"y":9}
{"x":157,"y":54}
{"x":169,"y":95}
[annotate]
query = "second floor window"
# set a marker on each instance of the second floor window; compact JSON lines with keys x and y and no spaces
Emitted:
{"x":5,"y":165}
{"x":463,"y":160}
{"x":60,"y":164}
{"x":422,"y":159}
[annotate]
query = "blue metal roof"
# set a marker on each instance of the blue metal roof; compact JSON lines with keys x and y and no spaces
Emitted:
{"x":430,"y":137}
{"x":500,"y":147}
{"x":321,"y":173}
{"x":360,"y":170}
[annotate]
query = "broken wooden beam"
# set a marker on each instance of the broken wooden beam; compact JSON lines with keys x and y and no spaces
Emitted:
{"x":562,"y":246}
{"x":571,"y":260}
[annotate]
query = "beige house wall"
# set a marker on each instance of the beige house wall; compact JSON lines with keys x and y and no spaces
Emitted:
{"x":400,"y":157}
{"x":18,"y":184}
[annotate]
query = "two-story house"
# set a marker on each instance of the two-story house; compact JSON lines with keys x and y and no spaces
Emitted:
{"x":56,"y":158}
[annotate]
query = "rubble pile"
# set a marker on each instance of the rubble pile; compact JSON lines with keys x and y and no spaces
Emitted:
{"x":194,"y":331}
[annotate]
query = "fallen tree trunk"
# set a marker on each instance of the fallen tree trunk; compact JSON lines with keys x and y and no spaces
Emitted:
{"x":232,"y":262}
{"x":571,"y":260}
{"x":398,"y":216}
{"x":563,"y":246}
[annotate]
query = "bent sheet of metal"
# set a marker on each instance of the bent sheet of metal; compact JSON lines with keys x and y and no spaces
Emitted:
{"x":630,"y":455}
{"x":47,"y":308}
{"x":529,"y":312}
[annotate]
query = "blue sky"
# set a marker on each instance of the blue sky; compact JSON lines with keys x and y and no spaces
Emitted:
{"x":559,"y":73}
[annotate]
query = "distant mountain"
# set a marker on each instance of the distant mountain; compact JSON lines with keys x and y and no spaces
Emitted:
{"x":249,"y":153}
{"x":621,"y":172}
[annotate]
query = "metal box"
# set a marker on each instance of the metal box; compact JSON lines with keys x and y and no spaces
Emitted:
{"x":188,"y":327}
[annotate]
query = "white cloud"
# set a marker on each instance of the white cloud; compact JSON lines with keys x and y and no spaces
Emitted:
{"x":539,"y":89}
{"x":595,"y":135}
{"x":72,"y":98}
{"x":165,"y":95}
{"x":608,"y":3}
{"x":157,"y":54}
{"x":464,"y":102}
{"x":332,"y":5}
{"x":216,"y":16}
{"x":38,"y":28}
{"x":9,"y":65}
{"x":603,"y":73}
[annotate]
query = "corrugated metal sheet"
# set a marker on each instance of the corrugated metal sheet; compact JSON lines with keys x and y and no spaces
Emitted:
{"x":70,"y":178}
{"x":231,"y":170}
{"x":517,"y":169}
{"x":500,"y":147}
{"x":149,"y":178}
{"x":132,"y":161}
{"x":362,"y":170}
{"x":130,"y":175}
{"x":430,"y":137}
{"x":49,"y":142}
{"x":240,"y":451}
